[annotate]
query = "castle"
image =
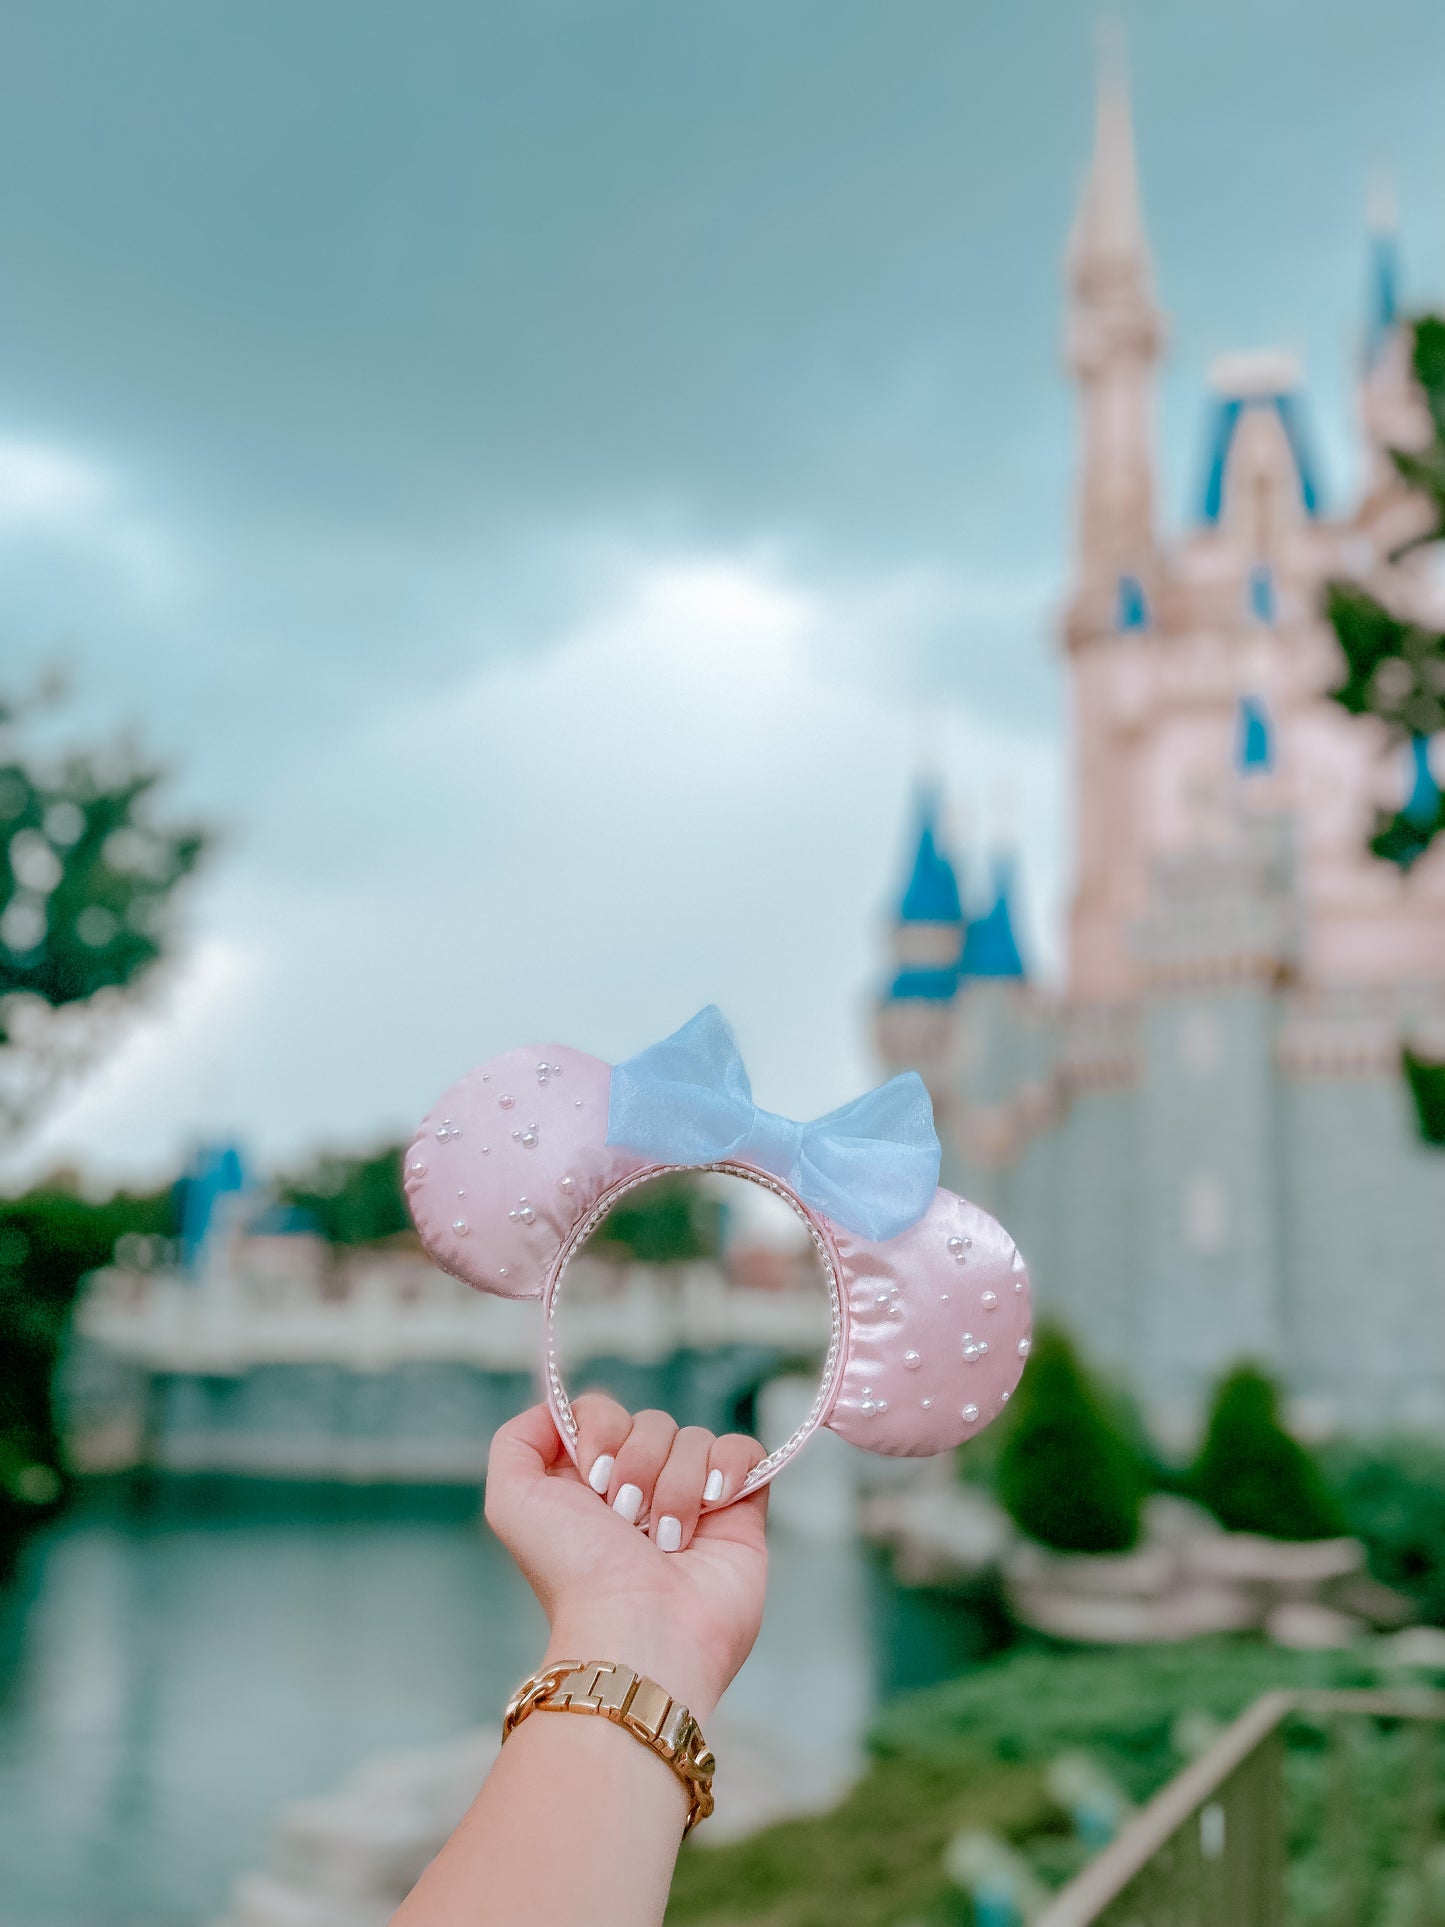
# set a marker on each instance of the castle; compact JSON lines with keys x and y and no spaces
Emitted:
{"x":1204,"y":1143}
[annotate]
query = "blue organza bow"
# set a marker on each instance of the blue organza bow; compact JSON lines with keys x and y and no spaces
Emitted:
{"x":871,"y":1165}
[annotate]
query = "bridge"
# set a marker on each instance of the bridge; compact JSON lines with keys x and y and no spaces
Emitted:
{"x":274,"y":1360}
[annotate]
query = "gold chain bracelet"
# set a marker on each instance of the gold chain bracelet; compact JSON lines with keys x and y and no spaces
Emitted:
{"x":627,"y":1699}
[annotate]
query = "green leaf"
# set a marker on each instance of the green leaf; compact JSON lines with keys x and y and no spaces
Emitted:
{"x":1427,"y":1086}
{"x":1429,"y":364}
{"x":1402,"y":839}
{"x":1369,"y":635}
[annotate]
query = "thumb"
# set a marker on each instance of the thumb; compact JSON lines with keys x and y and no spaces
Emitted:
{"x":522,"y":1452}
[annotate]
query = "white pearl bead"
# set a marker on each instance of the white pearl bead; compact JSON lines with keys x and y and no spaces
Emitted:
{"x":970,"y":1413}
{"x":505,"y":1102}
{"x":989,"y":1300}
{"x":1025,"y":1346}
{"x":417,"y":1168}
{"x":911,"y":1361}
{"x":461,"y":1227}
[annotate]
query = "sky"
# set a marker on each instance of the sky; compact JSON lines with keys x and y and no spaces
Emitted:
{"x":549,"y":480}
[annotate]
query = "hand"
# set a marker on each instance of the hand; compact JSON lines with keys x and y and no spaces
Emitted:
{"x":595,"y":1551}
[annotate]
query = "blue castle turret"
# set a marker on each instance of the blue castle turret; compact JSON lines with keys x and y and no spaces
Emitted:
{"x":216,"y":1172}
{"x":990,"y":948}
{"x":930,"y":922}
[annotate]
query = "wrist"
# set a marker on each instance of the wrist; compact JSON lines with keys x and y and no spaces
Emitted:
{"x":677,"y":1667}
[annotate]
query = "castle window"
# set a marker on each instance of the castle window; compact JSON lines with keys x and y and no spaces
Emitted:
{"x":1261,"y":594}
{"x":1206,"y":1212}
{"x":1254,"y":738}
{"x":1132,"y":608}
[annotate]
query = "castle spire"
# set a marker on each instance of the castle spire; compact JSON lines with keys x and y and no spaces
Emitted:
{"x":1108,"y":234}
{"x":1392,"y":411}
{"x":1383,"y":313}
{"x":1115,"y":335}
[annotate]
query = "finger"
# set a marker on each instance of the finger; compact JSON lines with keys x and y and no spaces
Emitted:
{"x":677,"y":1496}
{"x":521,"y":1452}
{"x":602,"y":1425}
{"x":732,"y":1457}
{"x":743,"y":1524}
{"x":640,"y":1457}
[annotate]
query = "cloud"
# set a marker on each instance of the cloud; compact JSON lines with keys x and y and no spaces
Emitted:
{"x":681,"y":802}
{"x":57,"y":498}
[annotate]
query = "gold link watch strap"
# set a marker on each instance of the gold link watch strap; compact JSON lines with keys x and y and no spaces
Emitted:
{"x":627,"y":1699}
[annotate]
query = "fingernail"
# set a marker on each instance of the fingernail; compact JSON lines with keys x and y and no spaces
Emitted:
{"x":713,"y":1489}
{"x":669,"y":1533}
{"x":601,"y":1472}
{"x":629,"y":1503}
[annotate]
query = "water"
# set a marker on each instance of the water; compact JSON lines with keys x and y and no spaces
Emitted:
{"x":177,"y":1664}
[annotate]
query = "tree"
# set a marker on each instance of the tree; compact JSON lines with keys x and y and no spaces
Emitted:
{"x":86,"y":879}
{"x":1394,"y":660}
{"x":1252,"y":1475}
{"x":49,"y":1240}
{"x":351,"y":1200}
{"x":1395,"y":668}
{"x":1066,"y":1475}
{"x":87,"y":875}
{"x":668,"y":1221}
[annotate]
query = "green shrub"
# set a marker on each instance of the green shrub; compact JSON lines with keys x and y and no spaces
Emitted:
{"x":1252,"y":1475}
{"x":1066,"y":1475}
{"x":1392,"y":1496}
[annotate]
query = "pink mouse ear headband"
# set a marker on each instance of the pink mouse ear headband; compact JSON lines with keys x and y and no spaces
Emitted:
{"x":522,"y":1159}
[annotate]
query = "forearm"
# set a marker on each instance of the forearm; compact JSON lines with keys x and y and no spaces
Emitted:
{"x":577,"y":1820}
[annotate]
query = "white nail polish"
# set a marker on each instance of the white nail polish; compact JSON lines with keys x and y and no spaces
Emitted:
{"x":629,"y":1503}
{"x":601,"y":1472}
{"x":713,"y":1489}
{"x":669,"y":1533}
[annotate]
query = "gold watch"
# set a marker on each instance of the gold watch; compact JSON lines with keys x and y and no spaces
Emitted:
{"x":627,"y":1699}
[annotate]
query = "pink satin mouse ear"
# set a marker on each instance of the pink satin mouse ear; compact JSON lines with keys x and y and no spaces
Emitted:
{"x":509,"y":1162}
{"x":938,"y":1327}
{"x":515,"y":1166}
